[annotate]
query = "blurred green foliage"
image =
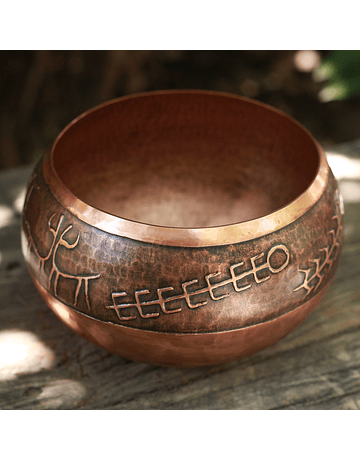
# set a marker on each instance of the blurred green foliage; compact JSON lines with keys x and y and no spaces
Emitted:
{"x":341,"y":69}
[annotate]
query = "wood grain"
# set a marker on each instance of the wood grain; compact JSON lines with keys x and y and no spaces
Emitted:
{"x":43,"y":365}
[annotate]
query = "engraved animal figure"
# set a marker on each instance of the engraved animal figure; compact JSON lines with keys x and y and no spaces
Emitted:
{"x":315,"y":274}
{"x":56,"y":273}
{"x":259,"y":263}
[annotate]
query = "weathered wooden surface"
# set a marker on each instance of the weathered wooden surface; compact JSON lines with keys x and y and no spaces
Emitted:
{"x":43,"y":365}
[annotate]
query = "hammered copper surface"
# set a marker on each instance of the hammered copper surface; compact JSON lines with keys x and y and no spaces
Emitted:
{"x":167,"y":348}
{"x":183,"y":161}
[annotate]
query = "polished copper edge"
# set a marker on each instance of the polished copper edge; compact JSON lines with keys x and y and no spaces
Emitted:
{"x":161,"y":348}
{"x":189,"y":237}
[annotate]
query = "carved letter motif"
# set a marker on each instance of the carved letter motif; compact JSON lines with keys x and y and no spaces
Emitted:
{"x":236,"y":280}
{"x":56,"y":273}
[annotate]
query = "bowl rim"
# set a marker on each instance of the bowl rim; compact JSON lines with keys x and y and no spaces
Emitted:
{"x":182,"y":236}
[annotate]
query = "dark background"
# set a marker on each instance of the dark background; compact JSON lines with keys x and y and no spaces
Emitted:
{"x":42,"y":91}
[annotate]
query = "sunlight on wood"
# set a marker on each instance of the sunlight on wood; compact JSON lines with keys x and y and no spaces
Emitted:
{"x":19,"y":200}
{"x":22,"y":352}
{"x":350,"y":191}
{"x":347,"y":172}
{"x":6,"y":215}
{"x":343,"y":166}
{"x":61,"y":393}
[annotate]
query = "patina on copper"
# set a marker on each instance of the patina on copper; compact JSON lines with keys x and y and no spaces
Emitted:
{"x":183,"y":228}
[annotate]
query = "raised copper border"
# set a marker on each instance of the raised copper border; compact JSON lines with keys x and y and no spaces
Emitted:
{"x":188,"y":237}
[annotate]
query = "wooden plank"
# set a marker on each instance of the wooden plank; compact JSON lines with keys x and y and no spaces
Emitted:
{"x":43,"y":365}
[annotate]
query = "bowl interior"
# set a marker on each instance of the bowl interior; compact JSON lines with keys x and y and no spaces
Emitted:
{"x":186,"y":159}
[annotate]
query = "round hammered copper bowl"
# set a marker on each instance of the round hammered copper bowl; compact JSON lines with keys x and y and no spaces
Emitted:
{"x":183,"y":228}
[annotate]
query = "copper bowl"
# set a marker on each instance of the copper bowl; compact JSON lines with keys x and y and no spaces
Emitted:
{"x":183,"y":228}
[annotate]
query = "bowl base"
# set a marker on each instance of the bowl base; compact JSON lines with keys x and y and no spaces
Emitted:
{"x":180,"y":350}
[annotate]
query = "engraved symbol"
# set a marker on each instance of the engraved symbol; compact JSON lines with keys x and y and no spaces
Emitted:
{"x":56,"y":273}
{"x":236,"y":277}
{"x":314,"y":275}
